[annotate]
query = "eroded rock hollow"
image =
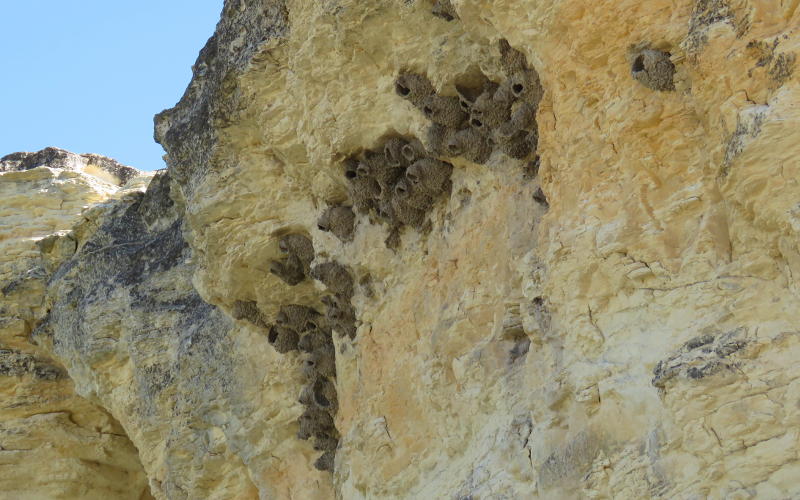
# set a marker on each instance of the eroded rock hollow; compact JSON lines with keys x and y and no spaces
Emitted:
{"x":414,"y":249}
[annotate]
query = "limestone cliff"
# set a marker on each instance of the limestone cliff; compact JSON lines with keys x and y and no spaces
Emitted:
{"x":454,"y":249}
{"x":53,"y":443}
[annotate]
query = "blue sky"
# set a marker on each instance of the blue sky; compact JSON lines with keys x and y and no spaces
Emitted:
{"x":89,"y":75}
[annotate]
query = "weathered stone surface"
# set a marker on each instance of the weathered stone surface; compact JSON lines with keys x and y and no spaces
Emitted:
{"x":53,"y":443}
{"x":655,"y":217}
{"x":102,"y":167}
{"x":135,"y":336}
{"x":613,"y":316}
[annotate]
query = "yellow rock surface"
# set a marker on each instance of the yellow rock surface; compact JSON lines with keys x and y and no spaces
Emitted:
{"x":53,"y":443}
{"x":673,"y":216}
{"x":633,"y":337}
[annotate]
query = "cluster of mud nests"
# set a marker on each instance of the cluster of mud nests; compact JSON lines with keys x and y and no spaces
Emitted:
{"x":485,"y":116}
{"x":302,"y":328}
{"x":398,"y":183}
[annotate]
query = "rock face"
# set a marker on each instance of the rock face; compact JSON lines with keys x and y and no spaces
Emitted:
{"x":598,"y":302}
{"x":53,"y":443}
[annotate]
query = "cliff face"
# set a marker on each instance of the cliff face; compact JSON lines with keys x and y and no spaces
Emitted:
{"x":53,"y":443}
{"x":513,"y":249}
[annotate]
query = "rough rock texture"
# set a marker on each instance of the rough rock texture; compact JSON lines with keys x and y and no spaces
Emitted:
{"x":53,"y":443}
{"x":613,"y":316}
